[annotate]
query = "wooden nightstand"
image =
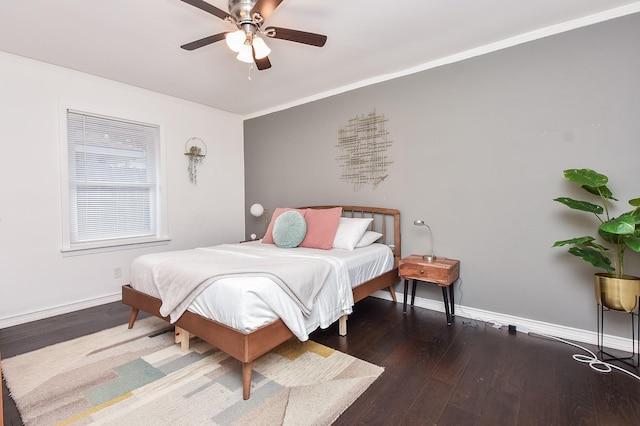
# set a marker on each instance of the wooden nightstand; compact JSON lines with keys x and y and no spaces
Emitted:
{"x":441,"y":271}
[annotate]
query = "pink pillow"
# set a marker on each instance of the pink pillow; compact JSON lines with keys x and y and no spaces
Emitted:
{"x":322,"y":225}
{"x":268,"y":237}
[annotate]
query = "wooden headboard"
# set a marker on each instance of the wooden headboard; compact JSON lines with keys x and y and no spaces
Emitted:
{"x":385,"y":221}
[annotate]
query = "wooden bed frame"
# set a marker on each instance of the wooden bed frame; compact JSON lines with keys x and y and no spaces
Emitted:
{"x":247,"y":347}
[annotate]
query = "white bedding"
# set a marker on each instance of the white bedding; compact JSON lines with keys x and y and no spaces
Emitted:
{"x":248,"y":303}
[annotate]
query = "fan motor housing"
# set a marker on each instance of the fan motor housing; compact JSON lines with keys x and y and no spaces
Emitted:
{"x":241,"y":10}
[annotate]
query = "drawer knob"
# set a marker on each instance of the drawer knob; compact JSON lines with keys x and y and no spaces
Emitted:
{"x":422,"y":271}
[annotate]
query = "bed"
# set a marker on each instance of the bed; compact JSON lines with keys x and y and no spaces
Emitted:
{"x":250,"y":334}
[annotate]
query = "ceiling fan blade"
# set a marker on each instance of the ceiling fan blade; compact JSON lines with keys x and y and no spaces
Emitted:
{"x":203,"y":41}
{"x":261,"y":64}
{"x":298,"y":36}
{"x":265,"y":7}
{"x":203,"y":5}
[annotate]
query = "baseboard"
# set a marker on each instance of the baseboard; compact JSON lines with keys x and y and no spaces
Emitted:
{"x":58,"y":310}
{"x":524,"y":325}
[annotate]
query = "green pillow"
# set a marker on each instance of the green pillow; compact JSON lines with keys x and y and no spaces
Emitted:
{"x":289,"y":229}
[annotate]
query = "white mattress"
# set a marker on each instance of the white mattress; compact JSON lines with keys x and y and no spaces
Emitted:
{"x":249,"y":303}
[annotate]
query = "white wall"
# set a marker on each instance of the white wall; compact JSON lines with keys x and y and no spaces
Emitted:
{"x":36,"y":280}
{"x":478,"y":151}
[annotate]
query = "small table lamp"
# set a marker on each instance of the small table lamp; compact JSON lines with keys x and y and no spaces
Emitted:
{"x":428,"y":257}
{"x":258,"y":210}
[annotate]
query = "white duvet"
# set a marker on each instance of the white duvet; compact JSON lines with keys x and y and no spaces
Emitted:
{"x":246,"y":303}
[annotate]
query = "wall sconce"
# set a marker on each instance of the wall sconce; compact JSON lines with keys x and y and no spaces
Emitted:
{"x":428,"y":257}
{"x":258,"y":210}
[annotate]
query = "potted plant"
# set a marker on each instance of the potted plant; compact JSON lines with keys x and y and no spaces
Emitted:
{"x":195,"y":157}
{"x":614,"y":289}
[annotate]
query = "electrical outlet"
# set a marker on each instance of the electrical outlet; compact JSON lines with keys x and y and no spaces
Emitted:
{"x":117,"y":272}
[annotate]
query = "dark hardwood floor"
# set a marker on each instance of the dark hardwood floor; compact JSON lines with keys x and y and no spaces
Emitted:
{"x":468,"y":373}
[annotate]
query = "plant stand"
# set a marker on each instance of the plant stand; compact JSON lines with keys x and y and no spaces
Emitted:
{"x":634,"y":358}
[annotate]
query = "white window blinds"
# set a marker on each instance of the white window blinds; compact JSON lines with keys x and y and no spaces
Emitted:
{"x":113,"y":174}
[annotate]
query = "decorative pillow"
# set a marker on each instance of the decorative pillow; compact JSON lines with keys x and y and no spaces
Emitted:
{"x":322,"y":225}
{"x":289,"y":229}
{"x":368,"y":238}
{"x":268,"y":237}
{"x":349,"y":232}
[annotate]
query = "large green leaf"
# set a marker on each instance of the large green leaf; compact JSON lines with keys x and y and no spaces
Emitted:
{"x":635,"y":202}
{"x":592,"y":256}
{"x":632,"y":242}
{"x":586,"y":177}
{"x":601,"y":190}
{"x":579,"y":240}
{"x":580,"y":205}
{"x":623,"y":225}
{"x":633,"y":215}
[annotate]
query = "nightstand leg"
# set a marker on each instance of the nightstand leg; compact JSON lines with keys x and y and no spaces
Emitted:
{"x":413,"y":292}
{"x":406,"y":290}
{"x":446,"y":304}
{"x":452,"y":300}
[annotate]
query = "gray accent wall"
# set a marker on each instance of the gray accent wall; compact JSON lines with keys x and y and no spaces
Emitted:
{"x":478,"y":151}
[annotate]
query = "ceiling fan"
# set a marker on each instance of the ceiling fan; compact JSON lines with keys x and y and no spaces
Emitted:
{"x":249,"y":16}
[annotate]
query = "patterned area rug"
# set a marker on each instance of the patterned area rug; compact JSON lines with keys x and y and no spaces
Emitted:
{"x":140,"y":376}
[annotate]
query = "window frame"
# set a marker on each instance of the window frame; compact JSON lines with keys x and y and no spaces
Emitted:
{"x":161,"y":235}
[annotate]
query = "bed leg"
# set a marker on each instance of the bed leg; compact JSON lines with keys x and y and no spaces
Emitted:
{"x":182,"y":336}
{"x":342,"y":325}
{"x":133,"y":316}
{"x":392,"y":290}
{"x":247,"y":369}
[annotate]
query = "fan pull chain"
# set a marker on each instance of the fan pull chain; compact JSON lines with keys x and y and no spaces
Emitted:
{"x":249,"y":76}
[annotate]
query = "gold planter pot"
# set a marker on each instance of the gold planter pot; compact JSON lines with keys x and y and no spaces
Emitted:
{"x":620,"y":294}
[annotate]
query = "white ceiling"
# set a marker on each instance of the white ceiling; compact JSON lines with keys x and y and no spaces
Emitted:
{"x":137,"y":42}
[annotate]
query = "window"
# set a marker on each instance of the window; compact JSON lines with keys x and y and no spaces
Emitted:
{"x":114,"y":185}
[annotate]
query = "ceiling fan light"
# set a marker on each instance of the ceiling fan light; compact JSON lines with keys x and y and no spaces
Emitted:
{"x":245,"y":54}
{"x":235,"y":40}
{"x":261,"y":48}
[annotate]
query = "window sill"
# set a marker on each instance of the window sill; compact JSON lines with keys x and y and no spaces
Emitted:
{"x":104,"y":247}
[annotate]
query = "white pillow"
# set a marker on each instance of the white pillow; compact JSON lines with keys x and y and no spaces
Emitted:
{"x":368,"y":238}
{"x":350,"y":230}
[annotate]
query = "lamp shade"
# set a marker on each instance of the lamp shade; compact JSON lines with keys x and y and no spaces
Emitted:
{"x":235,"y":40}
{"x":245,"y":54}
{"x":256,"y":210}
{"x":261,"y":48}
